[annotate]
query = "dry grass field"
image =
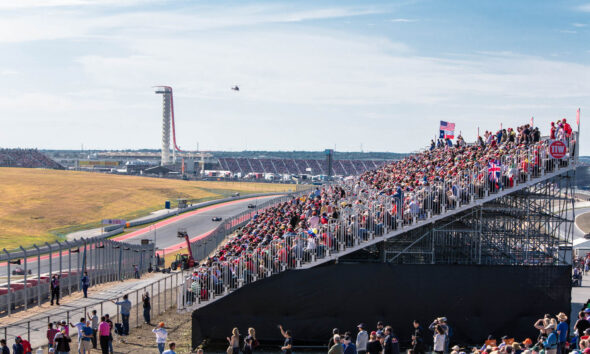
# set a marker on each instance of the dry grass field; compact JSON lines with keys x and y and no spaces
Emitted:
{"x":41,"y":205}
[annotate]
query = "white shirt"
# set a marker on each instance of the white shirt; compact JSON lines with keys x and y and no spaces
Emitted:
{"x":361,"y":340}
{"x":161,"y":335}
{"x":439,"y":342}
{"x":79,"y":326}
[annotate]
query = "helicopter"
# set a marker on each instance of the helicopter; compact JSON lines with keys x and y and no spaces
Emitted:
{"x":235,"y":88}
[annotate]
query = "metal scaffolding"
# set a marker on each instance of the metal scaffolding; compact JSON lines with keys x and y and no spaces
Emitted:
{"x":533,"y":226}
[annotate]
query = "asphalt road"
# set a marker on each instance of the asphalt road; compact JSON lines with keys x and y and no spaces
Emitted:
{"x":164,"y":233}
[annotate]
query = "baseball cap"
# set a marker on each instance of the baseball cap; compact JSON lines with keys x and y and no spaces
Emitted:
{"x":361,"y":325}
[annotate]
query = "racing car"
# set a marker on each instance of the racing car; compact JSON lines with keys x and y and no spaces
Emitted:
{"x":216,"y":218}
{"x":251,"y":206}
{"x":20,"y":271}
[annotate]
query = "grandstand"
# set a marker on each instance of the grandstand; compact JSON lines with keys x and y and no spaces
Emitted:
{"x":27,"y":158}
{"x":295,"y":166}
{"x":503,"y":202}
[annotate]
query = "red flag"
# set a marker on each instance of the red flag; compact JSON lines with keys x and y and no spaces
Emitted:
{"x":578,"y":117}
{"x":532,"y":121}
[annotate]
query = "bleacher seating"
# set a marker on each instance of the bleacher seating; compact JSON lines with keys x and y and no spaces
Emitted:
{"x":28,"y":158}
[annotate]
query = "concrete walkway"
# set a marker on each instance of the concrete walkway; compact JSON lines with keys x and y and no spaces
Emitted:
{"x":33,"y":323}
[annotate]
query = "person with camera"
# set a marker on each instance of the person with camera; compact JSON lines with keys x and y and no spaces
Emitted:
{"x":147,"y":306}
{"x":287,"y":347}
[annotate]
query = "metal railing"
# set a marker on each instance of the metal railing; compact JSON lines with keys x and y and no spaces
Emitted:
{"x":367,"y":213}
{"x":27,"y":280}
{"x":163,"y":293}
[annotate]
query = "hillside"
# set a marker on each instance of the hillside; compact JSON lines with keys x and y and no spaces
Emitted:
{"x":42,"y":205}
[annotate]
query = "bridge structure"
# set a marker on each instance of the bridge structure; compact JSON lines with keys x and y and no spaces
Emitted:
{"x":523,"y":220}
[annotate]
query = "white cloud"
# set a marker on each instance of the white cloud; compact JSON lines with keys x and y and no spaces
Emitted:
{"x":568,"y":31}
{"x":579,"y":25}
{"x":8,"y":72}
{"x":405,"y":20}
{"x":584,"y":7}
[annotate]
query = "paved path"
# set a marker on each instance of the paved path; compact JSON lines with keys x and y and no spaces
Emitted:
{"x":35,"y":320}
{"x":583,"y":222}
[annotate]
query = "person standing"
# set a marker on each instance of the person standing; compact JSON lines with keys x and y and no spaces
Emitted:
{"x":3,"y":347}
{"x":390,"y":343}
{"x":85,"y":345}
{"x":562,"y":332}
{"x":362,"y":339}
{"x":104,"y":332}
{"x":79,"y":327}
{"x":349,"y":347}
{"x":234,"y":341}
{"x":51,"y":332}
{"x":439,"y":339}
{"x":374,"y":345}
{"x":85,"y":284}
{"x":54,"y":288}
{"x":337,"y":347}
{"x":125,"y":311}
{"x":111,"y":326}
{"x":94,"y":320}
{"x":287,"y":347}
{"x":250,"y":341}
{"x":417,"y":339}
{"x":550,"y":344}
{"x":147,"y":307}
{"x":17,"y":347}
{"x":172,"y":346}
{"x":62,"y":342}
{"x":161,"y":336}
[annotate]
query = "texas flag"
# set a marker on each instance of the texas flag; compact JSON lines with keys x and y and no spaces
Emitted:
{"x":447,"y":130}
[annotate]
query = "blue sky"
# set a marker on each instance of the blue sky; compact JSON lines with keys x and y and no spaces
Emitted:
{"x":313,"y":74}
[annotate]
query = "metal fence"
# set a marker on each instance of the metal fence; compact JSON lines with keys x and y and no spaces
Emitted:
{"x":27,"y":277}
{"x":203,"y":247}
{"x":366,"y":214}
{"x":163,"y":293}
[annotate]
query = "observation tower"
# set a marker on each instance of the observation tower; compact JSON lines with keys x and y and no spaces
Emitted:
{"x":167,"y":117}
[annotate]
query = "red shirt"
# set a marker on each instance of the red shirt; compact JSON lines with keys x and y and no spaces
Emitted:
{"x":51,"y":334}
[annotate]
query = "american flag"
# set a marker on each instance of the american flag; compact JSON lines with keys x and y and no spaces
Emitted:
{"x":494,"y":170}
{"x":447,"y":130}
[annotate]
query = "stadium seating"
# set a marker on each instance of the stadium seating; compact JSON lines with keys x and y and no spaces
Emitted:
{"x":28,"y":158}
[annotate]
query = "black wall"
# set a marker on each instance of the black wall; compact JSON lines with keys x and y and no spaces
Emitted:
{"x":477,"y":300}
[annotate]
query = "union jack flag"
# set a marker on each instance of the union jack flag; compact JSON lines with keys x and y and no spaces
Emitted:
{"x":494,"y":170}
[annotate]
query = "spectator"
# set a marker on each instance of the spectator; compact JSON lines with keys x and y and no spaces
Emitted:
{"x":125,"y":311}
{"x":111,"y":326}
{"x":94,"y":320}
{"x":51,"y":332}
{"x":3,"y":347}
{"x":337,"y":347}
{"x":562,"y":332}
{"x":62,"y":342}
{"x":85,"y":284}
{"x":439,"y":339}
{"x":104,"y":332}
{"x":581,"y":324}
{"x":417,"y":338}
{"x":17,"y":347}
{"x":391,"y":344}
{"x":250,"y":341}
{"x":161,"y":336}
{"x":379,"y":328}
{"x":335,"y":331}
{"x":361,"y":339}
{"x":550,"y":344}
{"x":349,"y":347}
{"x":374,"y":345}
{"x":85,"y":344}
{"x":136,"y":271}
{"x":79,"y":327}
{"x":287,"y":347}
{"x":147,"y":307}
{"x":54,"y":288}
{"x":234,"y":341}
{"x":172,"y":346}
